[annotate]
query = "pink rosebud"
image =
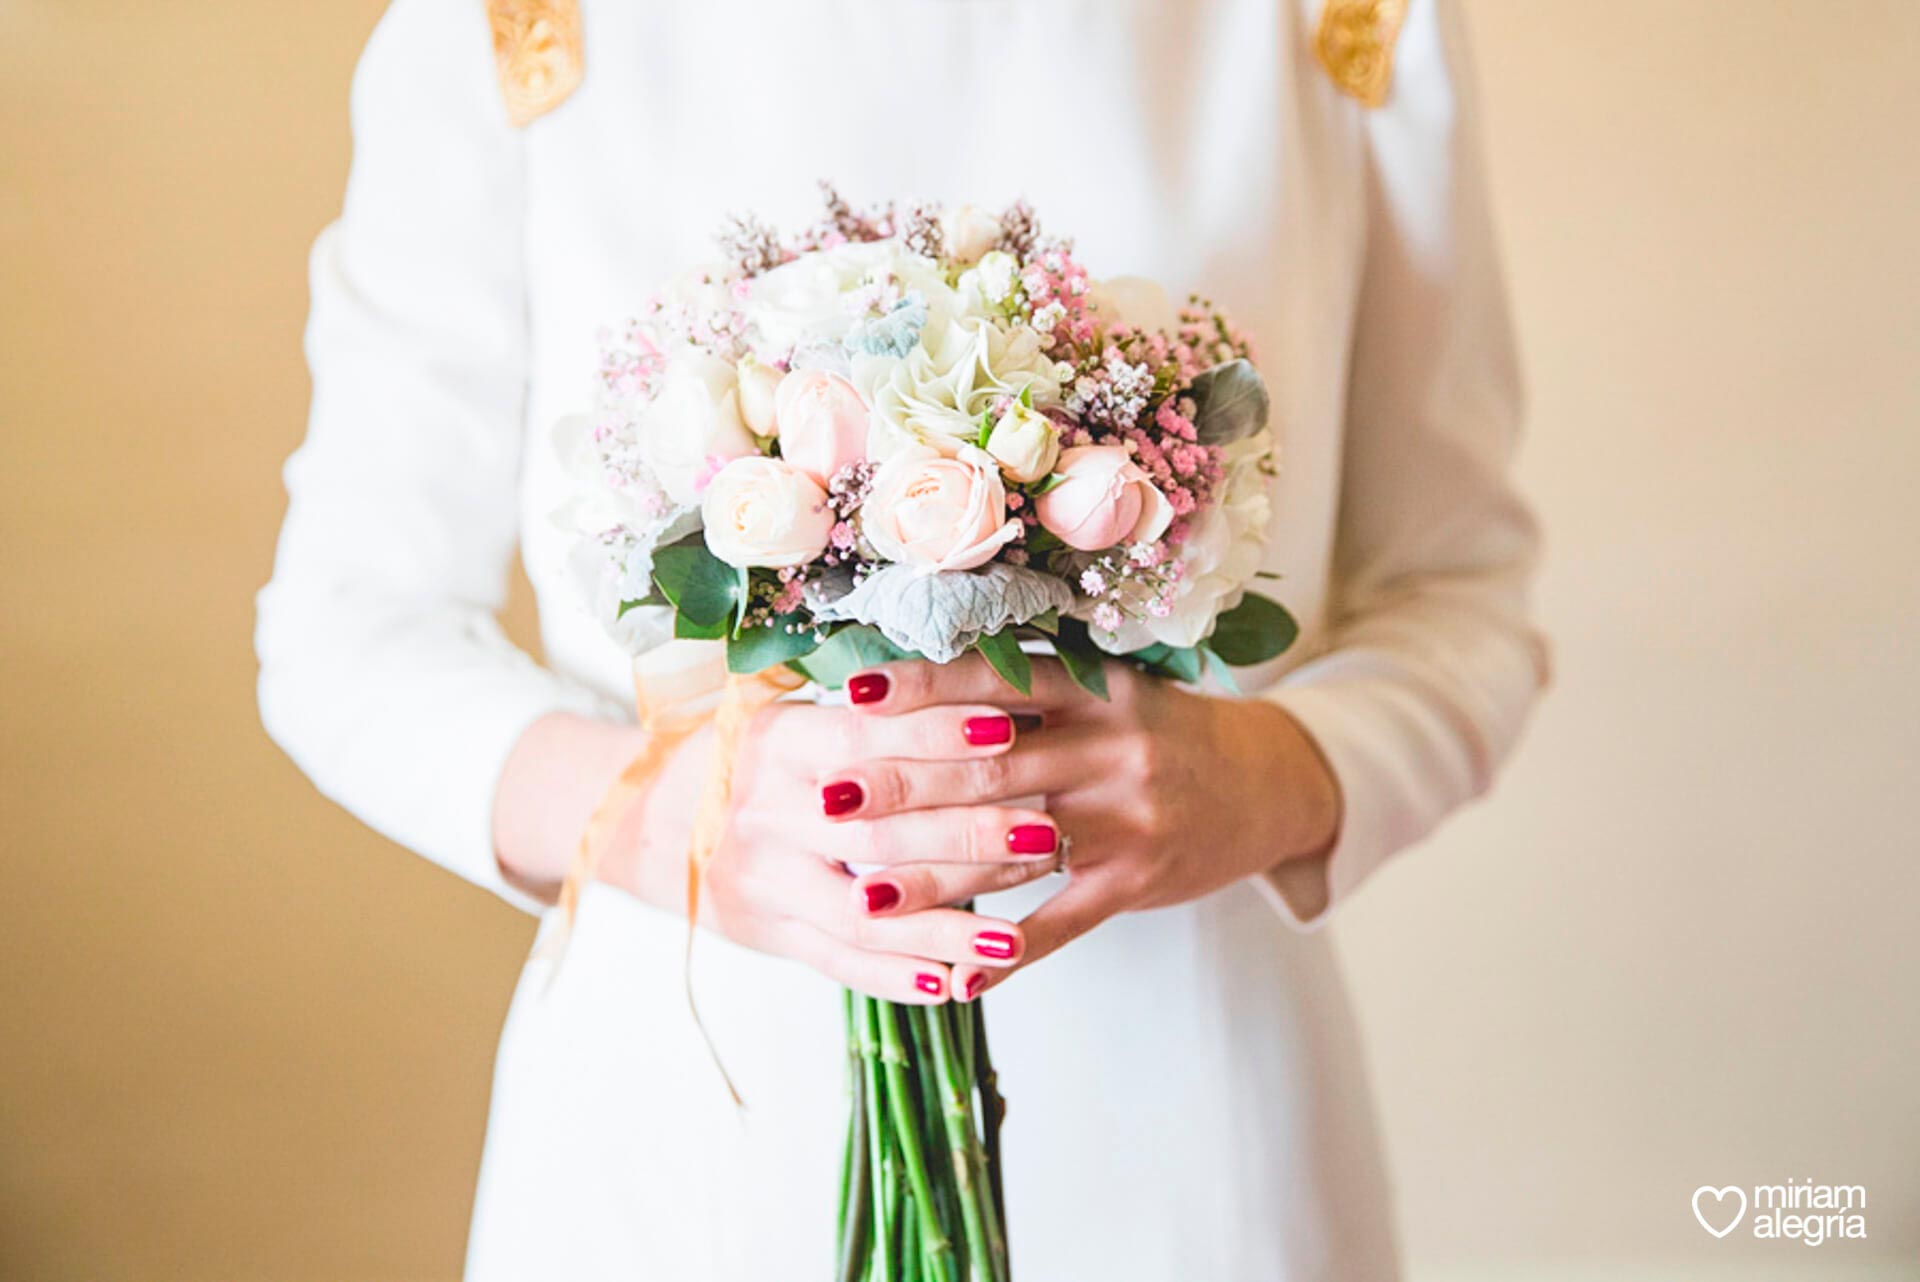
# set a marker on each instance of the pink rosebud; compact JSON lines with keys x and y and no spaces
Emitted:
{"x":822,"y":422}
{"x":1103,"y":499}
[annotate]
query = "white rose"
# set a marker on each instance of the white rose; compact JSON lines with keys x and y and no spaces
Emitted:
{"x":757,"y":383}
{"x":968,"y":232}
{"x":806,"y":301}
{"x":935,"y":396}
{"x":692,"y":426}
{"x":804,"y":298}
{"x":764,"y":512}
{"x":1025,"y":443}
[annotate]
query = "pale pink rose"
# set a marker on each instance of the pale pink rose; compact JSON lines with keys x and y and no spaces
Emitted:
{"x":822,"y":422}
{"x":1104,"y":500}
{"x":765,"y":512}
{"x":938,"y":513}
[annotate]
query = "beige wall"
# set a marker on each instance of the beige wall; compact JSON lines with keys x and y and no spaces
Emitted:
{"x":244,"y":1039}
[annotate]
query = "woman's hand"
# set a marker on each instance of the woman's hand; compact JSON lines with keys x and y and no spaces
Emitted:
{"x":1164,"y":795}
{"x":799,"y":809}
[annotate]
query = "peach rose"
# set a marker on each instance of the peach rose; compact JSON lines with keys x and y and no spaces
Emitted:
{"x":938,"y":513}
{"x":821,"y":421}
{"x":1103,"y":500}
{"x":765,"y":512}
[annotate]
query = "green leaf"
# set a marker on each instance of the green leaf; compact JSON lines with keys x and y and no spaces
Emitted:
{"x":701,"y":586}
{"x":1230,"y":402}
{"x":1026,"y":396}
{"x":1253,"y":632}
{"x":1004,"y":655}
{"x":986,"y":428}
{"x":1041,"y":541}
{"x":651,"y":598}
{"x":1053,"y":481}
{"x":1083,"y":660}
{"x":1218,"y":666}
{"x":687,"y":630}
{"x":771,"y":644}
{"x":740,"y":600}
{"x":1182,"y":664}
{"x":847,"y":651}
{"x":1048,"y":621}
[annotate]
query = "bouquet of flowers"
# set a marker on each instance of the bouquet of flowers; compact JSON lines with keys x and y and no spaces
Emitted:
{"x":914,"y":432}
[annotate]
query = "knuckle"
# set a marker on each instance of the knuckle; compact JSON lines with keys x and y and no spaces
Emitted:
{"x":1006,"y":875}
{"x":887,"y":789}
{"x":1138,"y":756}
{"x":918,"y":887}
{"x":989,"y":777}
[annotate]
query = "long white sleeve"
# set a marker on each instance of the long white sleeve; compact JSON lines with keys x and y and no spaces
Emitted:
{"x":383,"y":672}
{"x":1430,"y":665}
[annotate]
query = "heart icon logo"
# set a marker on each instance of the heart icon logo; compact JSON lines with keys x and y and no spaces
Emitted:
{"x":1720,"y":1198}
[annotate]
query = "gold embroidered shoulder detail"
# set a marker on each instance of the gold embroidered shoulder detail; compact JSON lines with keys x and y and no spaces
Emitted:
{"x":538,"y":52}
{"x":1355,"y":45}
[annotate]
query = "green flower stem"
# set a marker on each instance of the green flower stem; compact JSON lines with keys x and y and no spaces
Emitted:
{"x":993,"y":1111}
{"x":856,"y":1175}
{"x":963,"y":1148}
{"x":879,"y":1154}
{"x":933,"y":1134}
{"x":911,"y":1258}
{"x":933,"y":1237}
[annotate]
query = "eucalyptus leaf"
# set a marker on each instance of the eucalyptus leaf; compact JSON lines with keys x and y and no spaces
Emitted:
{"x":702,"y":587}
{"x":1231,"y":402}
{"x":845,"y":652}
{"x":686,"y":628}
{"x":771,"y":644}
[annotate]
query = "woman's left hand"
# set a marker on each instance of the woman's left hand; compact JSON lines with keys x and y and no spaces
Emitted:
{"x":1165,"y":795}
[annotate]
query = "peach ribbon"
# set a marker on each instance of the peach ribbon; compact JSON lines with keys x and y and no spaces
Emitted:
{"x":674,"y":699}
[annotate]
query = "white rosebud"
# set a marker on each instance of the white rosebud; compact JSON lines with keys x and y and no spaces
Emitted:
{"x":1025,"y":443}
{"x":757,"y":383}
{"x":968,"y":232}
{"x":995,"y":274}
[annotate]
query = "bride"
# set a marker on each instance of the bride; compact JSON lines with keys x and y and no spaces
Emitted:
{"x":1186,"y":1098}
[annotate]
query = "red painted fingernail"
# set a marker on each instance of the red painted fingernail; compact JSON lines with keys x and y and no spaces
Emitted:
{"x":974,"y":984}
{"x":928,"y":984}
{"x":881,"y":895}
{"x":984,"y":732}
{"x":1030,"y":839}
{"x":993,"y":943}
{"x":843,"y":798}
{"x":868,"y":687}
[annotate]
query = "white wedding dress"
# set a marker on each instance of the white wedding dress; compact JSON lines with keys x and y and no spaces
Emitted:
{"x":1186,"y":1095}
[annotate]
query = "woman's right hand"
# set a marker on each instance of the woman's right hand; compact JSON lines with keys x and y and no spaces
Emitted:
{"x":777,"y":883}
